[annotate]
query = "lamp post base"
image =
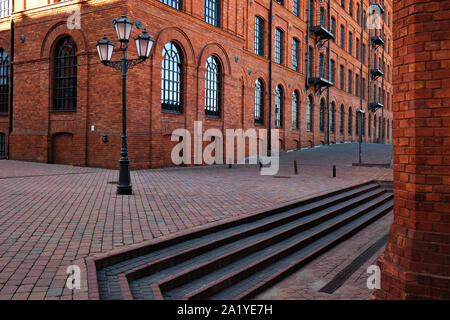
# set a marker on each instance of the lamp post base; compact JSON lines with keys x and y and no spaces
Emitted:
{"x":124,"y":187}
{"x":124,"y":190}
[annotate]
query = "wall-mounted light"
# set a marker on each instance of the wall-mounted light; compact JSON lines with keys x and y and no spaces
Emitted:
{"x":22,"y":38}
{"x":105,"y":138}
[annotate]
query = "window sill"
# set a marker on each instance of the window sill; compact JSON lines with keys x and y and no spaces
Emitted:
{"x":171,"y":112}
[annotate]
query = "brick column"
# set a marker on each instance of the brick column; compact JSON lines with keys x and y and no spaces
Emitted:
{"x":416,"y":263}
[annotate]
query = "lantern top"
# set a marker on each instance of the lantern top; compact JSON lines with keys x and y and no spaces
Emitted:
{"x":123,"y":28}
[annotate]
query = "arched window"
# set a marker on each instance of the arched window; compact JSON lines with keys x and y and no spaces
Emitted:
{"x":172,"y":79}
{"x":2,"y":145}
{"x":333,"y":117}
{"x":341,"y":120}
{"x":295,"y":110}
{"x":65,"y":75}
{"x":309,"y":114}
{"x":322,"y":116}
{"x":350,"y":116}
{"x":259,"y":102}
{"x":357,"y":117}
{"x":279,"y":107}
{"x":213,"y":92}
{"x":4,"y":84}
{"x":369,"y":126}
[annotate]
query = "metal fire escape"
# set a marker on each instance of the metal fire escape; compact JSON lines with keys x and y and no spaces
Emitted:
{"x":319,"y":25}
{"x":377,"y":62}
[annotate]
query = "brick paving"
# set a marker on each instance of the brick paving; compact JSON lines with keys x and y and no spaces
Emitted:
{"x":53,"y":216}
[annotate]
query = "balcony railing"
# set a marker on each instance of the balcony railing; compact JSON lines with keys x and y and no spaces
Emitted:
{"x":320,"y":24}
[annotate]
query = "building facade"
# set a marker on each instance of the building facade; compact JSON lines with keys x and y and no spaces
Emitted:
{"x":210,"y":63}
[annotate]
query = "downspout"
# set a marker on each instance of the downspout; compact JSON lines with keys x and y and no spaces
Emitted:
{"x":11,"y":88}
{"x":383,"y":141}
{"x":308,"y":58}
{"x":328,"y":76}
{"x":269,"y":137}
{"x":362,"y":122}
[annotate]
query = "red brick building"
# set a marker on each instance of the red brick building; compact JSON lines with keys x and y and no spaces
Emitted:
{"x":416,"y":263}
{"x":62,"y":116}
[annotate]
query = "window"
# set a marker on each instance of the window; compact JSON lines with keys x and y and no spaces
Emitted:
{"x":278,"y":46}
{"x":212,"y":12}
{"x":295,"y":54}
{"x":278,"y":107}
{"x":357,"y":48}
{"x":322,"y":16}
{"x":296,"y":8}
{"x":4,"y":84}
{"x":173,"y":3}
{"x":349,"y":81}
{"x":259,"y":102}
{"x":280,"y":2}
{"x":350,"y":8}
{"x":309,"y":62}
{"x":332,"y":71}
{"x":342,"y":36}
{"x":172,"y":79}
{"x":369,"y":126}
{"x":363,"y":88}
{"x":341,"y":77}
{"x":5,"y":8}
{"x":357,"y":115}
{"x":213,"y":87}
{"x":311,"y":12}
{"x":321,"y":65}
{"x":343,"y":4}
{"x":309,"y":114}
{"x":341,"y":120}
{"x":350,"y":44}
{"x":333,"y":27}
{"x":350,"y":121}
{"x":259,"y":36}
{"x":333,"y":117}
{"x":65,"y":75}
{"x":357,"y":14}
{"x":363,"y":57}
{"x":2,"y":145}
{"x":322,"y":116}
{"x":356,"y":84}
{"x":295,"y":110}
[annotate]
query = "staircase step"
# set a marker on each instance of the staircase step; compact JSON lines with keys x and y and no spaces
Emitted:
{"x":212,"y":261}
{"x":221,"y":268}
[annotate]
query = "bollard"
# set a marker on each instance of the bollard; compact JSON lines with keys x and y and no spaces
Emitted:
{"x":230,"y":166}
{"x":260,"y":165}
{"x":334,"y":171}
{"x":295,"y":167}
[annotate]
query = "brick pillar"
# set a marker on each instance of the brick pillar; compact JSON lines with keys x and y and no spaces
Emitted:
{"x":416,"y":263}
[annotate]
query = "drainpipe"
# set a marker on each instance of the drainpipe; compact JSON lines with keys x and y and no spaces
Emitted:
{"x":11,"y":87}
{"x":362,"y":123}
{"x":383,"y":141}
{"x":269,"y":136}
{"x":328,"y":88}
{"x":308,"y":58}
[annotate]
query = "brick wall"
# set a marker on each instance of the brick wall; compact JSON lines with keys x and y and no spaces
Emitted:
{"x":416,"y":263}
{"x":149,"y":129}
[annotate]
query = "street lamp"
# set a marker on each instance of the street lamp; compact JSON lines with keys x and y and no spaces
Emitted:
{"x":105,"y":48}
{"x":361,"y":128}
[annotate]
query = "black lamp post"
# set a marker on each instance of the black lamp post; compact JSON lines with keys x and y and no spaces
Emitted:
{"x":105,"y":50}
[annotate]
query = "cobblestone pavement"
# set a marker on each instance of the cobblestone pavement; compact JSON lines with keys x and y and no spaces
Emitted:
{"x":53,"y":216}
